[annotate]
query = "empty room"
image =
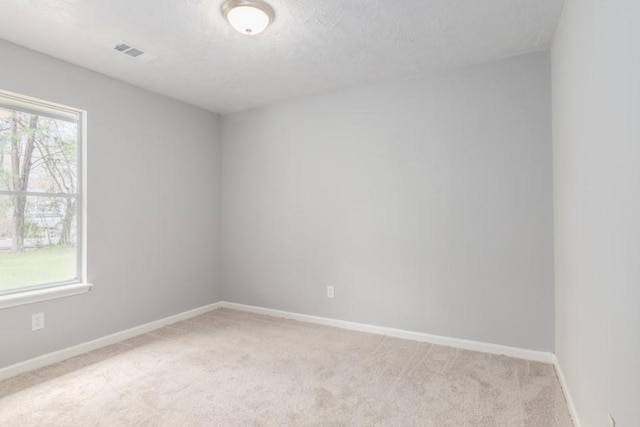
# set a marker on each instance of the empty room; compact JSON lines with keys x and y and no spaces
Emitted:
{"x":320,"y":213}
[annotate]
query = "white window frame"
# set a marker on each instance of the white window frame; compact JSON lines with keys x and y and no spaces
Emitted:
{"x":37,"y":293}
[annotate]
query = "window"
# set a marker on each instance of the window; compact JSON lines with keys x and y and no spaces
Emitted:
{"x":40,"y":195}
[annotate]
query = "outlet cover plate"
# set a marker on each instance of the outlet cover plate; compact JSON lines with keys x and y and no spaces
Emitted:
{"x":330,"y":292}
{"x":37,"y":321}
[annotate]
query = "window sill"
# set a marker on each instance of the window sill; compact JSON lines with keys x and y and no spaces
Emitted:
{"x":29,"y":297}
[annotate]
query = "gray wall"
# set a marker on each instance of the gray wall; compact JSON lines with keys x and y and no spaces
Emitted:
{"x":153,"y":169}
{"x":596,"y":148}
{"x":426,"y":202}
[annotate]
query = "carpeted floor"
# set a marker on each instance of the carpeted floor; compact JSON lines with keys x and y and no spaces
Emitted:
{"x":229,"y":368}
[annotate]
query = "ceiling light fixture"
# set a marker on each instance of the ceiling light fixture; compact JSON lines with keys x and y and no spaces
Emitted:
{"x":249,"y":17}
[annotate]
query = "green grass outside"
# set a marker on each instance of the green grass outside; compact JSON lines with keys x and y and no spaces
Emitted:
{"x":37,"y":267}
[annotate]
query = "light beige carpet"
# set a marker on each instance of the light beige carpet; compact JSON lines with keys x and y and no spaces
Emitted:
{"x":228,"y":368}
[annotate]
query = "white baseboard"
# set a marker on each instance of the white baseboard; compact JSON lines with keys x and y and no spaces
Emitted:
{"x":76,"y":350}
{"x":58,"y":356}
{"x":520,"y":353}
{"x":565,"y":389}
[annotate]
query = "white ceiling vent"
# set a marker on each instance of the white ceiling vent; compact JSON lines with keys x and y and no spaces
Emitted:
{"x":134,"y":52}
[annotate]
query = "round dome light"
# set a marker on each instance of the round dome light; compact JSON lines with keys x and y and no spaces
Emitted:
{"x":249,"y":17}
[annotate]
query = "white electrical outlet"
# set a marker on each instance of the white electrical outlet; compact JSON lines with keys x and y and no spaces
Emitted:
{"x":612,"y":422}
{"x":330,"y":292}
{"x":37,"y":321}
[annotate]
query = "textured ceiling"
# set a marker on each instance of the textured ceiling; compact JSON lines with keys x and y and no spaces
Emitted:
{"x":313,"y":46}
